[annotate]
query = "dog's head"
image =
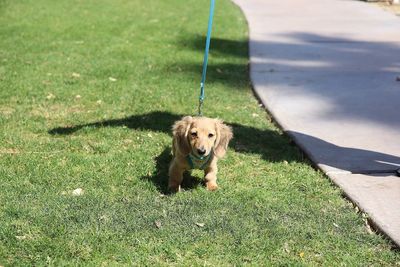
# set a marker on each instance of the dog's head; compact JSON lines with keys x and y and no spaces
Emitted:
{"x":201,"y":136}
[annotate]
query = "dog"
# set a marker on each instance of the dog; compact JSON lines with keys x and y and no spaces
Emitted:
{"x":198,"y":143}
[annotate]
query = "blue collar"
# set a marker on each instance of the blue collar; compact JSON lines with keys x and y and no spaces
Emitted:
{"x":199,"y":163}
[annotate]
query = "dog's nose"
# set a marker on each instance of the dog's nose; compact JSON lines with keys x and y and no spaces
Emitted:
{"x":201,"y":151}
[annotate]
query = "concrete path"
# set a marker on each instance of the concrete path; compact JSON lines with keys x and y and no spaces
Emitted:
{"x":326,"y":70}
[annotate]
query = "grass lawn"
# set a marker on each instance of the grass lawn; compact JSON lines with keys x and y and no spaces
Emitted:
{"x":88,"y":93}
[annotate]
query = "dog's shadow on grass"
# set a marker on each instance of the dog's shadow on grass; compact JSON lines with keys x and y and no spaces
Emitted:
{"x":271,"y":145}
{"x":160,"y":176}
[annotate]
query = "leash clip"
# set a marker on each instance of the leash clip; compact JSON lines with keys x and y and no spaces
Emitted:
{"x":201,"y":98}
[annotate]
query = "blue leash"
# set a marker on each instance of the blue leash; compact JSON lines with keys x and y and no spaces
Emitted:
{"x":205,"y":61}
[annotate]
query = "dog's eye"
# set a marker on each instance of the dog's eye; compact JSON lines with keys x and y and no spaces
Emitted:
{"x":194,"y":134}
{"x":210,"y":135}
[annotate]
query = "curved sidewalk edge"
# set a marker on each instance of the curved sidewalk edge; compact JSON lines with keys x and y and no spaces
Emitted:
{"x":326,"y":71}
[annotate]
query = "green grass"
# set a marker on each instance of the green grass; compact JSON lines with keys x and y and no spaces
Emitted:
{"x":114,"y":142}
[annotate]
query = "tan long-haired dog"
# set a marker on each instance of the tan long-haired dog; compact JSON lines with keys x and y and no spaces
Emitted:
{"x":198,"y":143}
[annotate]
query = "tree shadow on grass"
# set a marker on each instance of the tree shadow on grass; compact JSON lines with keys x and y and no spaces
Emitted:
{"x":235,"y":75}
{"x":271,"y":145}
{"x":219,"y":46}
{"x":223,"y":65}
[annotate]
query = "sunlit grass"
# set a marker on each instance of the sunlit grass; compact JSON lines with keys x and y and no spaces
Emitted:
{"x":88,"y":93}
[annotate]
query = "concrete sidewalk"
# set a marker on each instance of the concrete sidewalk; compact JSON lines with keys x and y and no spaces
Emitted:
{"x":326,"y":70}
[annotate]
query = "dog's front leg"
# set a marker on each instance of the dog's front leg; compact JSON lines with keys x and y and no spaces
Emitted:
{"x":175,"y":177}
{"x":211,"y":176}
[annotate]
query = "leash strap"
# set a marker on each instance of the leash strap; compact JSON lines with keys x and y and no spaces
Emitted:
{"x":205,"y":61}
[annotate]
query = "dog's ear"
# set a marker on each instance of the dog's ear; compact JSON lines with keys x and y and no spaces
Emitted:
{"x":224,"y":135}
{"x":180,"y":131}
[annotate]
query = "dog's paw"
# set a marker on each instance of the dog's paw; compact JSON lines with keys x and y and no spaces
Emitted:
{"x":211,"y":186}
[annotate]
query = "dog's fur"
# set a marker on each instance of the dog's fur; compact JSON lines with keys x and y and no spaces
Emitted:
{"x":191,"y":134}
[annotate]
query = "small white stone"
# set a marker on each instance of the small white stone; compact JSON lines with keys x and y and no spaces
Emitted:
{"x":50,"y":96}
{"x":78,"y":192}
{"x":200,"y":224}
